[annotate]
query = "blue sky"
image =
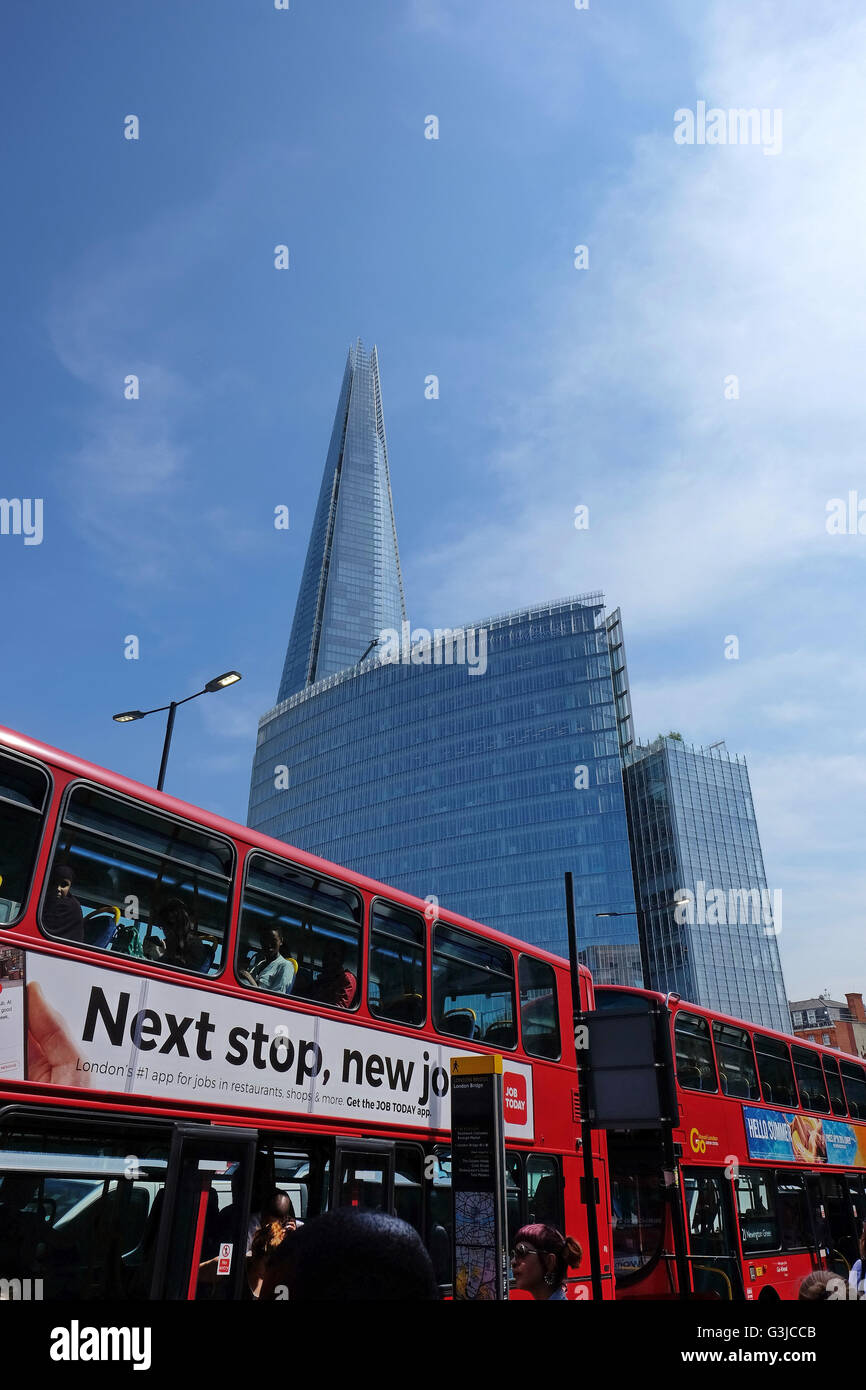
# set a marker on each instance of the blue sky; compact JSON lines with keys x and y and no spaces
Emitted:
{"x":558,"y":387}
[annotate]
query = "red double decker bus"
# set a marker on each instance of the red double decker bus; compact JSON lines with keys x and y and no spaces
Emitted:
{"x":194,"y":1016}
{"x":759,"y":1177}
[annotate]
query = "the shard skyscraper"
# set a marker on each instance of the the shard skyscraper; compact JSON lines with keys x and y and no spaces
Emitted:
{"x":478,"y":787}
{"x":351,"y":586}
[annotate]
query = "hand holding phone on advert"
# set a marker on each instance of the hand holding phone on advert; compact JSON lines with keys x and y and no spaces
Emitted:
{"x":52,"y":1056}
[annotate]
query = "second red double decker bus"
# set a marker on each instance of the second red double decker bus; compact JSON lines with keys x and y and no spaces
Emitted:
{"x":758,"y":1179}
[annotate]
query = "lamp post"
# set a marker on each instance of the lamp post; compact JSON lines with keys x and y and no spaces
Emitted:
{"x":644,"y":964}
{"x":218,"y":683}
{"x":644,"y":955}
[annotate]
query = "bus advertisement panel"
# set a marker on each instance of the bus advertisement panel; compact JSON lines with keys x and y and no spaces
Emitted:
{"x":138,"y":1036}
{"x":791,"y":1138}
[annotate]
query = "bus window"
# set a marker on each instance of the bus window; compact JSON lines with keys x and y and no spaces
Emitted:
{"x":513,"y":1195}
{"x":440,"y":1216}
{"x":843,"y":1227}
{"x":397,"y":987}
{"x":793,"y":1209}
{"x":696,"y":1070}
{"x":638,"y":1205}
{"x":759,"y":1227}
{"x":834,"y":1085}
{"x":543,"y":1191}
{"x":715,"y":1269}
{"x":300,"y":1170}
{"x":77,"y":1211}
{"x":857,"y":1199}
{"x":774,"y":1068}
{"x":23,"y":794}
{"x":737,"y":1072}
{"x":810,"y":1079}
{"x":300,"y":934}
{"x":293,"y":1174}
{"x":539,"y":1014}
{"x":855,"y":1089}
{"x":364,"y":1181}
{"x":147,"y":885}
{"x":705,"y":1213}
{"x":473,"y":988}
{"x":409,"y":1185}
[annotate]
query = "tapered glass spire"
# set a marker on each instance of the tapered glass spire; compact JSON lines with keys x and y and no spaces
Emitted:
{"x":351,"y":586}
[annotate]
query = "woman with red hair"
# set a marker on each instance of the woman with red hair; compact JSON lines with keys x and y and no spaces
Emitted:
{"x":540,"y":1258}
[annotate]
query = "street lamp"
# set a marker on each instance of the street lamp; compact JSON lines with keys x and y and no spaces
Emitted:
{"x":218,"y":683}
{"x":644,"y":963}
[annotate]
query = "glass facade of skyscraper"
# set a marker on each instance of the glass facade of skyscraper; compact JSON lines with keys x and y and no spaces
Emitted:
{"x":477,"y":788}
{"x":710,"y":923}
{"x":351,"y":586}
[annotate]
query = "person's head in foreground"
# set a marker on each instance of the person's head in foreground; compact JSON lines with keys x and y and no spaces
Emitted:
{"x":349,"y":1255}
{"x":823,"y":1286}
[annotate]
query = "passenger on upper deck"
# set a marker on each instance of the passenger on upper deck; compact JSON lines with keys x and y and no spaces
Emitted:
{"x":270,"y":969}
{"x":61,"y":912}
{"x":183,"y":945}
{"x":334,"y":983}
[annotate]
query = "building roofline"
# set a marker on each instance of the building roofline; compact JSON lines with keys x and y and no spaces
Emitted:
{"x":498,"y":620}
{"x":657,"y":745}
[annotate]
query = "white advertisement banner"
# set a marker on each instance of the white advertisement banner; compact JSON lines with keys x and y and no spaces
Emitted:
{"x":112,"y":1031}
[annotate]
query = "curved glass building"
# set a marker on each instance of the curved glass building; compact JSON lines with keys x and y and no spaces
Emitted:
{"x":472,"y":766}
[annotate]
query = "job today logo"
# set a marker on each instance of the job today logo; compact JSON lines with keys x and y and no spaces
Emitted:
{"x":737,"y":126}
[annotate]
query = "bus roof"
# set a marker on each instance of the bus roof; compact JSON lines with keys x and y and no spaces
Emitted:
{"x":674,"y":1003}
{"x":80,"y":767}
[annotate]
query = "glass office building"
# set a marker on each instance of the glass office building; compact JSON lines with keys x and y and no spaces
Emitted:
{"x":479,"y":790}
{"x":710,"y":924}
{"x":477,"y":784}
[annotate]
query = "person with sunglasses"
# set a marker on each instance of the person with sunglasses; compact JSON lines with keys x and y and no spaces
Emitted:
{"x":540,"y":1259}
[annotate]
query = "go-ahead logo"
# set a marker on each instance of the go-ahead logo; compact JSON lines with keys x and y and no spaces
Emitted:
{"x":700,"y":1142}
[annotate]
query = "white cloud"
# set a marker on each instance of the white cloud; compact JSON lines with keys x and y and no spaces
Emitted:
{"x":707,"y":515}
{"x":705,"y":261}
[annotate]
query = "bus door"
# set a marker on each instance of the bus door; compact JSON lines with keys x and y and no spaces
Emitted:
{"x":202,"y":1244}
{"x":818,"y":1214}
{"x":363,"y":1174}
{"x":841,"y":1230}
{"x":713,"y":1246}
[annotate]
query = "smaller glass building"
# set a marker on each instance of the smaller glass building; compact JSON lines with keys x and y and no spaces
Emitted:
{"x":709,"y":922}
